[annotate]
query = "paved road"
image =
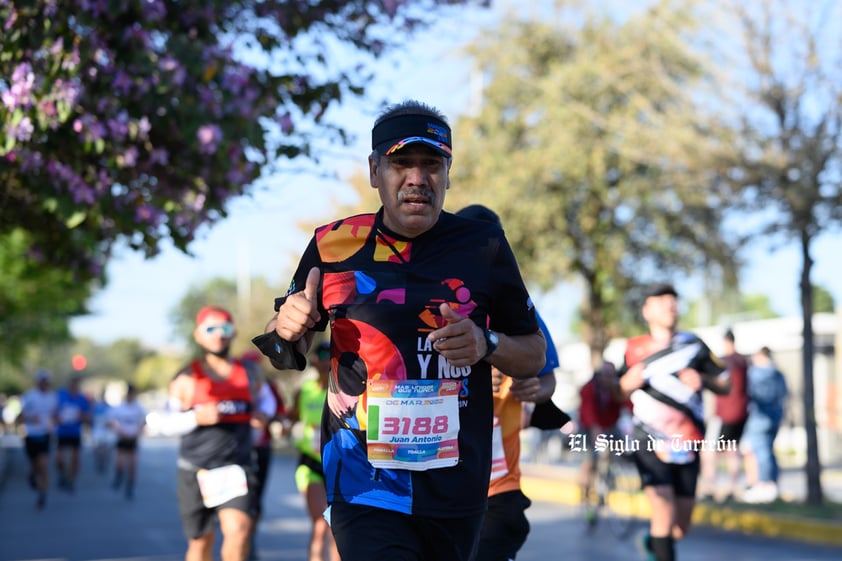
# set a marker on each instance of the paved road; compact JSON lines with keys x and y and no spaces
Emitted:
{"x":97,"y":524}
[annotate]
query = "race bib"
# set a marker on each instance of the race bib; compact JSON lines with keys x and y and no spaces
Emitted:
{"x":69,"y":414}
{"x":220,"y":485}
{"x":413,"y":424}
{"x":499,"y":468}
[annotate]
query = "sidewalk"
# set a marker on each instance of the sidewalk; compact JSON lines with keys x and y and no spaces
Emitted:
{"x":558,"y":483}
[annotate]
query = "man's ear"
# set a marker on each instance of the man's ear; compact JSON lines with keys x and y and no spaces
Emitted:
{"x":373,"y":168}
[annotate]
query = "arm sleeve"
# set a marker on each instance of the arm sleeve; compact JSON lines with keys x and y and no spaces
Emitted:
{"x":174,"y":421}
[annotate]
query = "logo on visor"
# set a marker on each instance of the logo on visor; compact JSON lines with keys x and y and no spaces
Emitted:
{"x":439,"y":132}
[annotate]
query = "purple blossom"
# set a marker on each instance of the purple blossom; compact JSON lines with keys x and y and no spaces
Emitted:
{"x":119,"y":127}
{"x":129,"y":158}
{"x":50,"y":8}
{"x":95,"y":7}
{"x":153,"y":10}
{"x":148,"y":214}
{"x":235,"y":176}
{"x":63,"y":174}
{"x":170,"y":65}
{"x":20,"y":92}
{"x":159,"y":156}
{"x":209,"y":137}
{"x":66,"y":90}
{"x":31,"y":161}
{"x":122,"y":82}
{"x":23,"y":130}
{"x":143,"y":126}
{"x":286,"y":123}
{"x":10,"y":21}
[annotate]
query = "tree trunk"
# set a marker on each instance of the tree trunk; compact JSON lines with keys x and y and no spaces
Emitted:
{"x":813,"y":468}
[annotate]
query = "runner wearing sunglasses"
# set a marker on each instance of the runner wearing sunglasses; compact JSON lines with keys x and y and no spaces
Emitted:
{"x":212,"y":408}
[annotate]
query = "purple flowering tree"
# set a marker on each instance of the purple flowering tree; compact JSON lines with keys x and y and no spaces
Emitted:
{"x":139,"y":120}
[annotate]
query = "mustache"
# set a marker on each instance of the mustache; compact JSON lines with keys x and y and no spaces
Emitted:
{"x":428,"y":194}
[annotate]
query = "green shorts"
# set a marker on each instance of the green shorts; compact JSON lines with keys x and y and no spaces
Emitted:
{"x":308,"y":472}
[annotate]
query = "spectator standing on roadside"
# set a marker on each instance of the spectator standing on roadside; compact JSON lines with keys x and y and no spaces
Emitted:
{"x":731,"y":413}
{"x":38,"y":415}
{"x":767,"y":393}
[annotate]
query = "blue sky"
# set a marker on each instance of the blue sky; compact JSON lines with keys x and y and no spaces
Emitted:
{"x":260,"y":236}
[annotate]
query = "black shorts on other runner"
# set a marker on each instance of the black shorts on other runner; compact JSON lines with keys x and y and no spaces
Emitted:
{"x":363,"y":533}
{"x":681,"y":477}
{"x":69,"y":441}
{"x":126,"y":444}
{"x":37,"y":446}
{"x":198,"y":520}
{"x":505,"y":528}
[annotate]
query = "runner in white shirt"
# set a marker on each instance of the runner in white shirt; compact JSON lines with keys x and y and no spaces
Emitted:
{"x":38,"y":415}
{"x":127,"y":420}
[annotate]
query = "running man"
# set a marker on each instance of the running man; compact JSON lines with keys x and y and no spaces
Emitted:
{"x":74,"y":411}
{"x":210,"y":406}
{"x":307,"y":407}
{"x":408,"y":292}
{"x":664,"y":372}
{"x":38,"y":413}
{"x":127,"y":421}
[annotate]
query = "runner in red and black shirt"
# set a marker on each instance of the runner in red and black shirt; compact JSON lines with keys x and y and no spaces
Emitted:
{"x":408,"y":293}
{"x":212,"y":407}
{"x":664,"y":373}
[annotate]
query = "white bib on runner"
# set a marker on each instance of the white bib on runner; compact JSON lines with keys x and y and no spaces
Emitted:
{"x":413,"y":424}
{"x":499,"y":468}
{"x":220,"y":485}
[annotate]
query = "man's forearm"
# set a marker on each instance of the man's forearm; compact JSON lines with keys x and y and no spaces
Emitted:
{"x":520,"y":356}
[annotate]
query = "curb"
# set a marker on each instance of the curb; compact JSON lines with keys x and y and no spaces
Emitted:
{"x":539,"y":487}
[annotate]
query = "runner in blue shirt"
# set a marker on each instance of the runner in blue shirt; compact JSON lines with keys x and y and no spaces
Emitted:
{"x":74,"y":410}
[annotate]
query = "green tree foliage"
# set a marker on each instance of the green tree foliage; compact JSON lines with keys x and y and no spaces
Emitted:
{"x":727,"y":309}
{"x":789,"y":155}
{"x":586,"y":142}
{"x":114,"y":361}
{"x":35,"y":302}
{"x":156,"y":371}
{"x":823,"y":301}
{"x":137,"y":121}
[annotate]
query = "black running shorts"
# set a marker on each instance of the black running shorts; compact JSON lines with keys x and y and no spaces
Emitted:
{"x":363,"y":533}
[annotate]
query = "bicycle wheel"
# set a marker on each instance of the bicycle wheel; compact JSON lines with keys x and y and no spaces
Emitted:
{"x":623,"y":497}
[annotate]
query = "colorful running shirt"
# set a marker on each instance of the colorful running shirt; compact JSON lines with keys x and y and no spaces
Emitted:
{"x":229,"y":441}
{"x":73,"y":409}
{"x":404,"y":430}
{"x":667,"y":411}
{"x":505,"y":459}
{"x":311,"y":402}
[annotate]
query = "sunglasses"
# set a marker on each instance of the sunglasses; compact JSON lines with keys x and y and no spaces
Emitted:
{"x":224,"y":329}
